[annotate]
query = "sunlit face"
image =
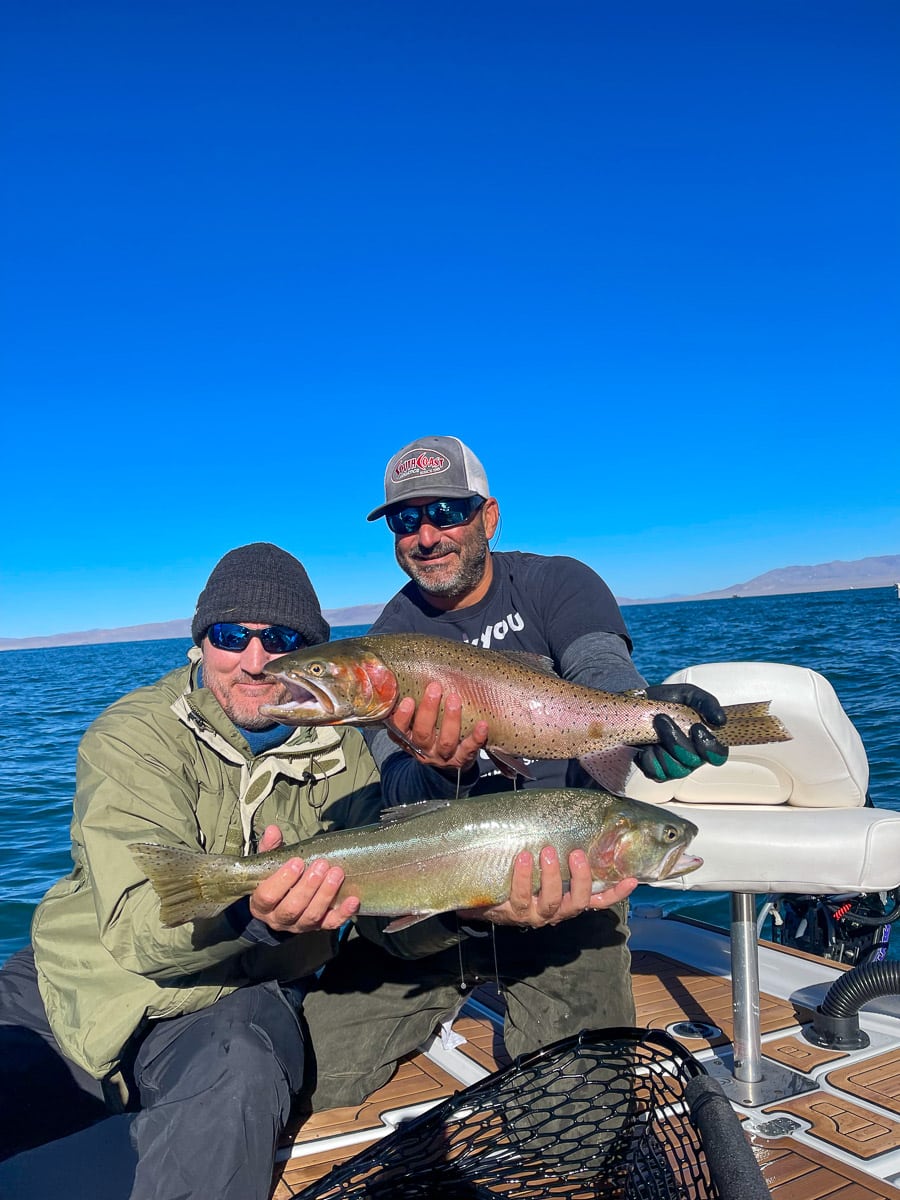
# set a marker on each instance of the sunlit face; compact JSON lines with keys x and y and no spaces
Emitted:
{"x":236,"y":680}
{"x":449,"y":565}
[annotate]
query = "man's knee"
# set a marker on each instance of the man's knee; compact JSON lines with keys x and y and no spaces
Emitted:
{"x":242,"y":1046}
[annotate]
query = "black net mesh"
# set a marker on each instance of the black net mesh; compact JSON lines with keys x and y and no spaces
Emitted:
{"x":599,"y":1115}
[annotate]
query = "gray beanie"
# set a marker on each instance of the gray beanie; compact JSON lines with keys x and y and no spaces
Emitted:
{"x":261,"y":584}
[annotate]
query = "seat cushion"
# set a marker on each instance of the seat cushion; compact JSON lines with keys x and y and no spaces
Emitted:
{"x":823,"y":766}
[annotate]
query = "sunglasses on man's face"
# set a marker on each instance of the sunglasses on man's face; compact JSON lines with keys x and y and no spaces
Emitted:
{"x":276,"y":639}
{"x":443,"y":514}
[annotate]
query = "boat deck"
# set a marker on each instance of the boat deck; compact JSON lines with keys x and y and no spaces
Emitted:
{"x":832,"y":1134}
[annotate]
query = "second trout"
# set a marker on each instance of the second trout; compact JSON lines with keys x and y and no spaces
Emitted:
{"x":438,"y":857}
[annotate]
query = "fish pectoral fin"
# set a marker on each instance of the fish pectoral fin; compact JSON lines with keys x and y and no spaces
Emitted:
{"x":508,"y":764}
{"x":610,"y":768}
{"x":399,"y":923}
{"x":401,"y":737}
{"x":406,"y":812}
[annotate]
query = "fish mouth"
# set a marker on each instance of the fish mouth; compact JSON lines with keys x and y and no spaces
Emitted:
{"x":307,"y":701}
{"x":679,"y":862}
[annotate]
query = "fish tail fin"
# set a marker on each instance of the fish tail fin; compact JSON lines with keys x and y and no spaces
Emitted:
{"x":177,"y":877}
{"x":751,"y":724}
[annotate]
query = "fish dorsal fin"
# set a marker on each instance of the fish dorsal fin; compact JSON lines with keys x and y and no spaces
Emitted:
{"x":527,"y":658}
{"x":408,"y":812}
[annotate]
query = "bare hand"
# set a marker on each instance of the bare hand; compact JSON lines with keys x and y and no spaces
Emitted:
{"x":552,"y":903}
{"x":300,"y":899}
{"x":434,"y":741}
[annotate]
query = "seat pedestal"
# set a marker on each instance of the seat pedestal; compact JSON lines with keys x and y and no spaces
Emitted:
{"x":748,"y":1078}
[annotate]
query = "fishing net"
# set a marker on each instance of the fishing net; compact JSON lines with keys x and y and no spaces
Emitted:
{"x":601,"y":1115}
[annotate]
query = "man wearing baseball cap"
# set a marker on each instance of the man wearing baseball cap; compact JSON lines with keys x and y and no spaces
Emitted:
{"x":573,"y":970}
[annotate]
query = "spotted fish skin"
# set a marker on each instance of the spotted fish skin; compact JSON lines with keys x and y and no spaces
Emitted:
{"x":438,"y":857}
{"x":531,"y":712}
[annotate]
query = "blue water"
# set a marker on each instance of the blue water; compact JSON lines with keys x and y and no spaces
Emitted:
{"x":48,"y":697}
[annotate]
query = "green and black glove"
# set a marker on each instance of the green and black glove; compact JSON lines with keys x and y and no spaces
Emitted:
{"x":676,"y":754}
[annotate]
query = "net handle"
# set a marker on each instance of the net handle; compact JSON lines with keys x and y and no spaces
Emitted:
{"x":729,"y":1156}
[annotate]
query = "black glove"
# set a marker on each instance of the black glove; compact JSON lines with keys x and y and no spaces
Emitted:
{"x":676,"y":754}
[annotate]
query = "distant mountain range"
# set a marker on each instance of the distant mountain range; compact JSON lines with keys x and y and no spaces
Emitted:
{"x":881,"y":571}
{"x":838,"y":576}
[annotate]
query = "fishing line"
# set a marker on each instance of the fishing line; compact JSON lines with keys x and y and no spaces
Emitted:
{"x":463,"y":986}
{"x":499,"y":985}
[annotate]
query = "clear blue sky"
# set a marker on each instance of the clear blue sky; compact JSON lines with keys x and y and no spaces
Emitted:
{"x":644,"y":258}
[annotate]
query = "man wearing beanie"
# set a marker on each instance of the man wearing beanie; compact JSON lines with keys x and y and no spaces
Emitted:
{"x":572,"y":970}
{"x":192,"y":1031}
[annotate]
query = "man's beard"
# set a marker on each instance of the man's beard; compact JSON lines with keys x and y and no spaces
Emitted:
{"x":253,"y":721}
{"x":245,"y":714}
{"x":444,"y":580}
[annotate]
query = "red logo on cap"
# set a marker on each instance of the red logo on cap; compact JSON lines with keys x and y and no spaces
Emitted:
{"x":423,"y":462}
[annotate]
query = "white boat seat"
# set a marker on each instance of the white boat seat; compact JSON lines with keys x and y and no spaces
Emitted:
{"x":820,"y":852}
{"x":823,"y":766}
{"x":785,"y":817}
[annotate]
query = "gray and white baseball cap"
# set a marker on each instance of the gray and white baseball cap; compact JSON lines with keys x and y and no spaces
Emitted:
{"x":431,"y":466}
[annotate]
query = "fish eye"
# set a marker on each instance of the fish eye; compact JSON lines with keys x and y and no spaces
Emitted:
{"x":670,"y":833}
{"x":316,"y":668}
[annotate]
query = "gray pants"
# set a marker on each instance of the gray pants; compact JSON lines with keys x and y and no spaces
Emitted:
{"x":214,"y":1088}
{"x":369,"y":1008}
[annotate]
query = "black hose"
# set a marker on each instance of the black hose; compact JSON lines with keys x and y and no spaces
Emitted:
{"x":729,"y":1155}
{"x":847,"y":995}
{"x":835,"y":1023}
{"x":885,"y":919}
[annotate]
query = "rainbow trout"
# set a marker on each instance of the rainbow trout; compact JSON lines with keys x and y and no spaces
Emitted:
{"x":440,"y":856}
{"x":530,"y":710}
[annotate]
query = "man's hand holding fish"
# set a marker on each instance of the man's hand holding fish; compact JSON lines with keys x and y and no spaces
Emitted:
{"x":300,"y":896}
{"x":433,"y":731}
{"x":554,"y":902}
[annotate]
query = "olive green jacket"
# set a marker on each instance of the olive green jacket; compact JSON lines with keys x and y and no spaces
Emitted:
{"x":164,"y":764}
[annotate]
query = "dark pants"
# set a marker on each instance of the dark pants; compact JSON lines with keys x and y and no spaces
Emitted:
{"x":214,"y":1090}
{"x":369,"y":1008}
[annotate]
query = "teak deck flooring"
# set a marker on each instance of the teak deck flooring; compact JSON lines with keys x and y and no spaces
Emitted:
{"x":666,"y":992}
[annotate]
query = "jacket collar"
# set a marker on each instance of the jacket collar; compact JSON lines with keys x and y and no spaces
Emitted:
{"x":309,"y":756}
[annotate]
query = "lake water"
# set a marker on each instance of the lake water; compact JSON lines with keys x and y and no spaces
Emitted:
{"x":48,"y":697}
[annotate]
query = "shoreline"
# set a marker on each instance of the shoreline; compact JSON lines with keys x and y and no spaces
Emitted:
{"x":365,"y":614}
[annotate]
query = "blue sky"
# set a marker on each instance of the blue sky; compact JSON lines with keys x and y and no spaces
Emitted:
{"x":644,"y":258}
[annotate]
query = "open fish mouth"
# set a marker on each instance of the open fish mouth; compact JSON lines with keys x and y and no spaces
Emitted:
{"x":305,"y":699}
{"x":679,"y":862}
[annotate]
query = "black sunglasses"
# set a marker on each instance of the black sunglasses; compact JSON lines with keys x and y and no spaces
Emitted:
{"x":276,"y":639}
{"x":443,"y":514}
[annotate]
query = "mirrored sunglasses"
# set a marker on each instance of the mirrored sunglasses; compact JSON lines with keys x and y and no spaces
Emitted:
{"x":443,"y":514}
{"x":276,"y":639}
